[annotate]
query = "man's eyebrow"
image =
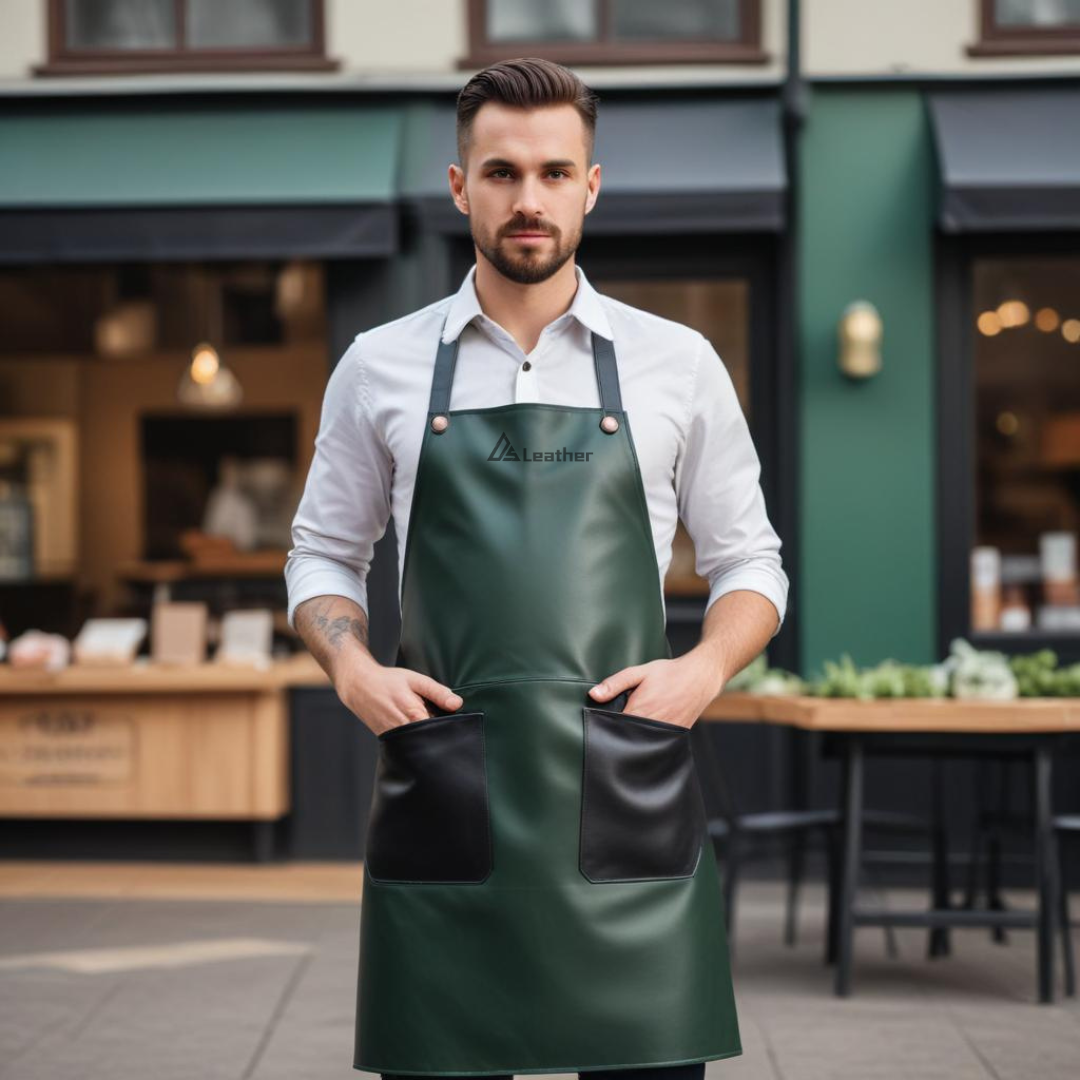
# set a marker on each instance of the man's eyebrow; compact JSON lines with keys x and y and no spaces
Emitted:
{"x":502,"y":163}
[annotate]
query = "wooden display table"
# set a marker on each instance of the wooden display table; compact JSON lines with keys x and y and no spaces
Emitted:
{"x":1017,"y":717}
{"x":207,"y":741}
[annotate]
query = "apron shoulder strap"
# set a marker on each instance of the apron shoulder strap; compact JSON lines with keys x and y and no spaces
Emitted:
{"x":443,"y":378}
{"x":607,"y":375}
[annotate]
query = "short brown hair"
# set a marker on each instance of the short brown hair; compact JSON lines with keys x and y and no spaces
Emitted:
{"x":525,"y":83}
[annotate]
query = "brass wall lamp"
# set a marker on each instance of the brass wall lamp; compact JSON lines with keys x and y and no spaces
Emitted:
{"x":859,"y":334}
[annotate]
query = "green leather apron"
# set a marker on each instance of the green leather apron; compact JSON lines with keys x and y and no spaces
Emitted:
{"x":540,"y":893}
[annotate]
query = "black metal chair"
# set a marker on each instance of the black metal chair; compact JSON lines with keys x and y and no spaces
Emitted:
{"x":989,"y":828}
{"x":740,"y":837}
{"x":1065,"y":825}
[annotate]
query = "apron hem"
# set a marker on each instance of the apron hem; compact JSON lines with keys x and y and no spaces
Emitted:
{"x":554,"y":1069}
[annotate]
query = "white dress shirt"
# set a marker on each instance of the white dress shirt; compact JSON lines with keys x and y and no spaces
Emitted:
{"x":696,"y":456}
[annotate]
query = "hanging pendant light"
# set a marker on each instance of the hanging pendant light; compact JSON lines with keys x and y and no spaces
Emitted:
{"x":207,"y":382}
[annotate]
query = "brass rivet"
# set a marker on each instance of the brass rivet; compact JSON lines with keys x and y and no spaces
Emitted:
{"x":610,"y":424}
{"x":439,"y":424}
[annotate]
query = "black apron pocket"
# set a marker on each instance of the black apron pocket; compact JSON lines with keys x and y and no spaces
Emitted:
{"x":430,"y":820}
{"x":643,"y":816}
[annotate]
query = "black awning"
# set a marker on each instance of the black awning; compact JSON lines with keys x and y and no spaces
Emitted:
{"x":666,"y":166}
{"x":105,"y":234}
{"x":1009,"y":159}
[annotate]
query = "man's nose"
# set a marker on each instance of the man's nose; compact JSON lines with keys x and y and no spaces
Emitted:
{"x":529,"y":202}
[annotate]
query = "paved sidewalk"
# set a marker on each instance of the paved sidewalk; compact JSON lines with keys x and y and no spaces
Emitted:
{"x":157,"y":989}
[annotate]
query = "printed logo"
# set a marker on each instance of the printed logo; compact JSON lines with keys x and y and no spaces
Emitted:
{"x":504,"y":451}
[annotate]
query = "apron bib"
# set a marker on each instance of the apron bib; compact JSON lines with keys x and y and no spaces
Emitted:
{"x":540,"y":893}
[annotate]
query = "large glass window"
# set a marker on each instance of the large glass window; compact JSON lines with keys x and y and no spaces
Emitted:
{"x":720,"y":309}
{"x":157,"y":422}
{"x":1027,"y":444}
{"x":616,"y":31}
{"x":152,"y":35}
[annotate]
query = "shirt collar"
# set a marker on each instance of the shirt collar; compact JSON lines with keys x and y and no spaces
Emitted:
{"x":586,"y":307}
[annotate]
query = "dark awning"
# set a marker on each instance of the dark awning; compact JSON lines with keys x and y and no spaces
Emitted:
{"x":667,"y":166}
{"x":1009,"y":159}
{"x":197,"y":180}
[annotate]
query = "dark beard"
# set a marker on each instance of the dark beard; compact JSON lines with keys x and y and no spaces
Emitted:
{"x":530,"y":267}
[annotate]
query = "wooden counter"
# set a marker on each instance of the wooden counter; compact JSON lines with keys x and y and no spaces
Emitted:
{"x":1019,"y":716}
{"x":144,"y":677}
{"x":207,"y":741}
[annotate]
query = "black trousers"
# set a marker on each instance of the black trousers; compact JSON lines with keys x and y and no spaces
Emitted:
{"x":658,"y":1072}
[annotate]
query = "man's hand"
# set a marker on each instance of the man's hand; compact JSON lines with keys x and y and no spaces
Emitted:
{"x":736,"y":627}
{"x":387,"y":697}
{"x":673,"y":690}
{"x":335,"y":630}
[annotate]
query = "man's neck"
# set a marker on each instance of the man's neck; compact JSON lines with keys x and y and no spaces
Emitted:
{"x":524,"y":310}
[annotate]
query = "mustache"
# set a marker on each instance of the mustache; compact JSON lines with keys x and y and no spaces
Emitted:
{"x":516,"y":227}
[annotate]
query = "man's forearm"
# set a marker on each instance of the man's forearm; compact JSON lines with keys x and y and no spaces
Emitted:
{"x":737,"y":626}
{"x":335,"y":630}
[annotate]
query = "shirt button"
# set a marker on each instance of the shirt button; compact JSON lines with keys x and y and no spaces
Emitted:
{"x":527,"y":366}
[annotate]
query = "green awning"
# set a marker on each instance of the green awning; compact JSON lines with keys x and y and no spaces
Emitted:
{"x":250,"y":178}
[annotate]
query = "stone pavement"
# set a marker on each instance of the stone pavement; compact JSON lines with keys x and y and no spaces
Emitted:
{"x":162,"y":989}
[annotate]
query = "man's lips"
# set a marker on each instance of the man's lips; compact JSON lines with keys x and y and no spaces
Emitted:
{"x":530,"y":239}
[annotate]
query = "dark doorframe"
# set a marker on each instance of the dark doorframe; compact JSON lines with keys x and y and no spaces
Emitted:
{"x":359,"y":293}
{"x":769,"y":756}
{"x":753,"y":258}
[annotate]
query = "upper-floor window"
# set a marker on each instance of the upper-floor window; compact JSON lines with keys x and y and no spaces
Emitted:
{"x":117,"y":36}
{"x":1013,"y":27}
{"x":615,"y":31}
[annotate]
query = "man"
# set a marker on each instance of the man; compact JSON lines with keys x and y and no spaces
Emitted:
{"x":540,"y":893}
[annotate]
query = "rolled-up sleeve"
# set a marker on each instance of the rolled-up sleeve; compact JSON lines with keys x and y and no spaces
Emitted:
{"x":345,"y":506}
{"x":721,"y":503}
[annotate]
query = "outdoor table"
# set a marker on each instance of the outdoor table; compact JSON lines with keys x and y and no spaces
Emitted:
{"x":1028,"y":728}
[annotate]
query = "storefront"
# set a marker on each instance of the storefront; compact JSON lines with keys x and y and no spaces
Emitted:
{"x":275,"y":227}
{"x":952,"y":206}
{"x":1008,"y":258}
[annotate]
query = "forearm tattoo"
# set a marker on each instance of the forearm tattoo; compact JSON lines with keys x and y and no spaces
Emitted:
{"x":331,"y":629}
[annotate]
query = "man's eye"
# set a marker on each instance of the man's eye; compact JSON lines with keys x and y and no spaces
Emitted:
{"x":563,"y":171}
{"x":497,"y":171}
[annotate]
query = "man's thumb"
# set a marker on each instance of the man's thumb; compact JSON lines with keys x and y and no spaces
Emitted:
{"x":614,"y":684}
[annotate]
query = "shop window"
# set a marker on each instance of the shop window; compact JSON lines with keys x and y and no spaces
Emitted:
{"x":1016,"y":27}
{"x":1026,"y":444}
{"x":616,"y":31}
{"x":114,"y":478}
{"x":117,"y":36}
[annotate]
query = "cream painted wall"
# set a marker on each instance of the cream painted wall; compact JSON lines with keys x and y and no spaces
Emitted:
{"x":22,"y":37}
{"x":891,"y":37}
{"x":416,"y":36}
{"x":425,"y":37}
{"x":401,"y":39}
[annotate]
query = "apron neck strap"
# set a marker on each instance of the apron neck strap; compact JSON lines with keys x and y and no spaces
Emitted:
{"x":607,"y":375}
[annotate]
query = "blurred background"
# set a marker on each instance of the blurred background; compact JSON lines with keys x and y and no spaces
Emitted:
{"x":870,"y":207}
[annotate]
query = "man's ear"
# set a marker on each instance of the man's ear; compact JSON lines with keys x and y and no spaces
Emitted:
{"x":456,"y":176}
{"x":593,"y":187}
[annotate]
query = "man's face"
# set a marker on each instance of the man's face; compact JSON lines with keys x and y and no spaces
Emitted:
{"x":527,"y":188}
